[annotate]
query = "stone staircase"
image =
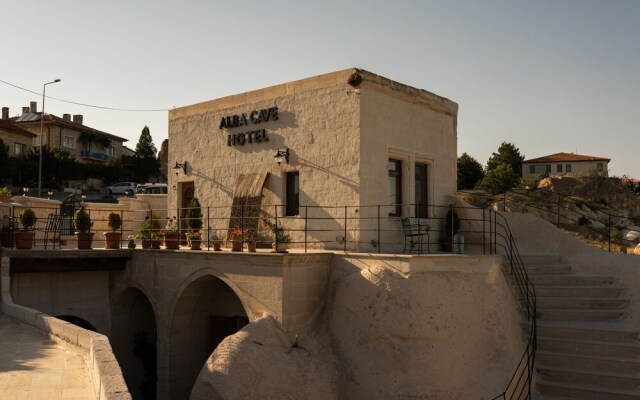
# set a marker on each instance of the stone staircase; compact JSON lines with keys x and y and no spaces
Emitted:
{"x":585,"y":350}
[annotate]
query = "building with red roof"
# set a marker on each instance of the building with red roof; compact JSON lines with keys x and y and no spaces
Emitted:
{"x":565,"y":164}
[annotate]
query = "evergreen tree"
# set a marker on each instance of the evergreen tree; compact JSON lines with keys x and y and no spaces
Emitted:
{"x":507,"y":154}
{"x":145,"y":163}
{"x":470,"y":172}
{"x":499,"y":179}
{"x":145,"y":147}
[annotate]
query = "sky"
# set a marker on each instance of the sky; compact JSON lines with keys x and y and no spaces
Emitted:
{"x":547,"y":75}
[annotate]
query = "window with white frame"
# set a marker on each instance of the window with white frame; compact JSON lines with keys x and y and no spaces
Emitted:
{"x":111,"y":151}
{"x":69,"y":142}
{"x":19,"y":149}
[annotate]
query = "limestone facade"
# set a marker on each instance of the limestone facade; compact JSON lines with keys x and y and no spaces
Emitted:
{"x":341,"y":129}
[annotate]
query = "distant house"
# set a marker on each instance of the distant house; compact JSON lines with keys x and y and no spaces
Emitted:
{"x":564,"y":164}
{"x":18,"y":140}
{"x":86,"y":144}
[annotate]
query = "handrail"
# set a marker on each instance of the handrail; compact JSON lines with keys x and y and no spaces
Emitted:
{"x":563,"y":210}
{"x":345,"y":227}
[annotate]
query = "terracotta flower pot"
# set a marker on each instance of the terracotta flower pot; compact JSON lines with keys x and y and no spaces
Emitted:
{"x":251,"y":247}
{"x":195,"y":244}
{"x":216,"y":247}
{"x":85,"y":240}
{"x":172,"y":241}
{"x":24,"y":239}
{"x":280,"y":247}
{"x":155,"y":244}
{"x":236,"y":245}
{"x":146,"y":243}
{"x":112,"y":240}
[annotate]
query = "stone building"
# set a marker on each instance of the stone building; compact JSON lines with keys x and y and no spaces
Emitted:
{"x":336,"y":158}
{"x":86,"y":144}
{"x":565,"y":164}
{"x":18,"y":140}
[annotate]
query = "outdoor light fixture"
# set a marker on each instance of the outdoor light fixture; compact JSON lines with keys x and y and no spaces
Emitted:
{"x":282,"y":155}
{"x":49,"y":193}
{"x":44,"y":88}
{"x":183,"y":166}
{"x":25,"y":190}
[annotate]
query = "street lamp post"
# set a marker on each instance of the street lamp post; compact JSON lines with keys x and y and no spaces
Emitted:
{"x":44,"y":88}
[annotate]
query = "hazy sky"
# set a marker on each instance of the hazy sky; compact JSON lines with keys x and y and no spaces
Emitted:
{"x":548,"y":76}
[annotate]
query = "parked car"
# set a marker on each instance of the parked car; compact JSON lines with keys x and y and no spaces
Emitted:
{"x":121,"y":188}
{"x":152,"y":188}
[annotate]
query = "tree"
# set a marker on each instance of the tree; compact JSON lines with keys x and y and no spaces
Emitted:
{"x":499,"y":179}
{"x":470,"y":172}
{"x":507,"y":154}
{"x":145,"y":147}
{"x":145,"y":163}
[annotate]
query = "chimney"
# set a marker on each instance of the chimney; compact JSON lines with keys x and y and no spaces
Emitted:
{"x":77,"y":119}
{"x":66,"y":117}
{"x":5,"y":112}
{"x":25,"y":110}
{"x":34,"y":106}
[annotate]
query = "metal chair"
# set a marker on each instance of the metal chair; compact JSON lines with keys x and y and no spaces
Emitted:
{"x":413,"y":234}
{"x":52,"y":227}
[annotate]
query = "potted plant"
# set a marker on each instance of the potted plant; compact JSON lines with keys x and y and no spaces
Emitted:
{"x":149,"y":232}
{"x":451,"y":226}
{"x":216,"y":241}
{"x":24,"y":238}
{"x":251,"y":241}
{"x":82,"y":222}
{"x":195,"y":240}
{"x":6,"y":231}
{"x":132,"y":242}
{"x":112,"y":238}
{"x":193,"y":218}
{"x":281,"y":239}
{"x":5,"y":194}
{"x":171,"y":235}
{"x":238,"y":237}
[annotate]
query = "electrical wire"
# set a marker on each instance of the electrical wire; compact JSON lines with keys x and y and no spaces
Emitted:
{"x":87,"y":105}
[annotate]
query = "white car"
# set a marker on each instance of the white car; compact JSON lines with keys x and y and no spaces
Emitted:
{"x":121,"y":188}
{"x":152,"y":188}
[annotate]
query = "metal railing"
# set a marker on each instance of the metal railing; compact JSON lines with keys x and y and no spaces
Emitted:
{"x":346,"y":228}
{"x":568,"y":212}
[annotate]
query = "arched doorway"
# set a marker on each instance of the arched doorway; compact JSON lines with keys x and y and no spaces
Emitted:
{"x":82,"y":323}
{"x":134,"y":339}
{"x":206,"y":312}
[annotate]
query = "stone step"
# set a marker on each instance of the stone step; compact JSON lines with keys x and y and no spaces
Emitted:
{"x":580,"y":315}
{"x":576,"y":303}
{"x":583,"y":376}
{"x":578,"y":291}
{"x":542,"y":269}
{"x":603,"y":362}
{"x":540,"y":258}
{"x":602,"y":331}
{"x":588,"y":347}
{"x":572,"y":280}
{"x":584,"y":392}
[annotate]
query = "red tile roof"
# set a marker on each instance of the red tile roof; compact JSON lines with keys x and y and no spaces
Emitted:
{"x":565,"y":157}
{"x":54,"y":119}
{"x":8,"y":126}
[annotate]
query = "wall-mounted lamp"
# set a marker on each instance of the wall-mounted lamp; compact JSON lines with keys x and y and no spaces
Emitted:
{"x":183,"y":166}
{"x":49,"y":194}
{"x":282,"y":155}
{"x":25,"y":190}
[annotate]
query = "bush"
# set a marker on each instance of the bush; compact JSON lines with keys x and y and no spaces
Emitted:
{"x":114,"y":221}
{"x":451,"y":223}
{"x":194,"y":215}
{"x":82,"y":220}
{"x":583,"y":220}
{"x":500,"y":179}
{"x":27,"y":218}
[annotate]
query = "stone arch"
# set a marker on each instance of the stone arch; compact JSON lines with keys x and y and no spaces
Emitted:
{"x":206,"y":311}
{"x":134,"y":337}
{"x":81,"y":322}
